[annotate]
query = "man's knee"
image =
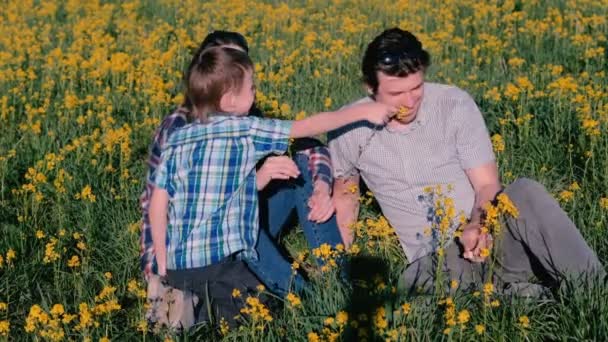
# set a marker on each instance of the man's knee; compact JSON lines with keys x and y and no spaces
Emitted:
{"x":524,"y":188}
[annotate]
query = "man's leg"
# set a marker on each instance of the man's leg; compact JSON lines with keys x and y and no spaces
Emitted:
{"x":419,"y":277}
{"x":316,"y":233}
{"x":543,"y":239}
{"x":277,"y":203}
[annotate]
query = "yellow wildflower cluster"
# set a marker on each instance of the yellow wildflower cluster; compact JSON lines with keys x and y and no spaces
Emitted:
{"x":293,"y":300}
{"x":257,"y":311}
{"x":568,"y":194}
{"x":494,"y":213}
{"x":48,"y":326}
{"x":328,"y":255}
{"x":136,"y":289}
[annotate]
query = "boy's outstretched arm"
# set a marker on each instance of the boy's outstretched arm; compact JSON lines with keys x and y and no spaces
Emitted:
{"x":159,"y":203}
{"x":374,"y":112}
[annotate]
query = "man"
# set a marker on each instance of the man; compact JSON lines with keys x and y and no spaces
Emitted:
{"x":441,"y":139}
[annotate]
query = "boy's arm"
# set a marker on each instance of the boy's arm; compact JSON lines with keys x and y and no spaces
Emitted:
{"x":374,"y":112}
{"x":158,"y":221}
{"x":346,"y":200}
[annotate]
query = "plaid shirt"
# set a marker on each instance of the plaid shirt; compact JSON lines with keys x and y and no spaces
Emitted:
{"x":319,"y":164}
{"x":209,"y":172}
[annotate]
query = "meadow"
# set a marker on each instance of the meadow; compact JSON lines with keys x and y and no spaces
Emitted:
{"x":84,"y":84}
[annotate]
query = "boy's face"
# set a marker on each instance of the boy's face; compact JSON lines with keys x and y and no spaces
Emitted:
{"x":402,"y":92}
{"x":240,"y":100}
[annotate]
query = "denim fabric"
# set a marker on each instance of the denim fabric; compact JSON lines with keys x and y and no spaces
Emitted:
{"x":277,"y":203}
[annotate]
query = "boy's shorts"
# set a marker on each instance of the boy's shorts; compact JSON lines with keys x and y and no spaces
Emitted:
{"x":214,"y":286}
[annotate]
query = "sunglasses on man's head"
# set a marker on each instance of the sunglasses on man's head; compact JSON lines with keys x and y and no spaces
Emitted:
{"x":392,"y":58}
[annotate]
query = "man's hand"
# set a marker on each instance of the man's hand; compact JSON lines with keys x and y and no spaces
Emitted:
{"x":475,"y":243}
{"x":320,"y":203}
{"x":279,"y":167}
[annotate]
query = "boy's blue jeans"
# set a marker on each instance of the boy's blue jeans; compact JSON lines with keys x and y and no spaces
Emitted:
{"x":277,"y":203}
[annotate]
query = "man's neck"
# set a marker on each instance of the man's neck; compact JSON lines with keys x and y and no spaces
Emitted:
{"x":397,"y":126}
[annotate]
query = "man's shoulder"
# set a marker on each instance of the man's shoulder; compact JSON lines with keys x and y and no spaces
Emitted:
{"x":440,"y":91}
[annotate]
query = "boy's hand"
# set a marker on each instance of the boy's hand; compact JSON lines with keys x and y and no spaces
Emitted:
{"x":278,"y":167}
{"x":320,"y":203}
{"x":376,"y":112}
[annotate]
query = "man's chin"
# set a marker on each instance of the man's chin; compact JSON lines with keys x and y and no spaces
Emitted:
{"x":406,"y":119}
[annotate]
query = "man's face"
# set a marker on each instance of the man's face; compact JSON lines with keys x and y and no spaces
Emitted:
{"x":401,"y":92}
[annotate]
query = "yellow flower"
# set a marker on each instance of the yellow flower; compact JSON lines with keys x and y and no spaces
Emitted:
{"x":406,"y":308}
{"x":484,"y":253}
{"x":104,"y":339}
{"x":604,"y":203}
{"x":464,"y":316}
{"x":454,"y":283}
{"x":488,"y":288}
{"x":294,"y":300}
{"x":74,"y":261}
{"x":480,"y":329}
{"x":5,"y":328}
{"x":3,"y":306}
{"x":341,"y":318}
{"x":108,"y":275}
{"x":81,"y":245}
{"x":57,"y":310}
{"x":236,"y":293}
{"x":224,"y":328}
{"x":313,"y":337}
{"x":498,"y":143}
{"x":566,"y":196}
{"x":260,"y":288}
{"x":524,"y":321}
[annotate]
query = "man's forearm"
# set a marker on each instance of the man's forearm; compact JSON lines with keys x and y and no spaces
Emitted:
{"x":484,"y":195}
{"x":346,"y":202}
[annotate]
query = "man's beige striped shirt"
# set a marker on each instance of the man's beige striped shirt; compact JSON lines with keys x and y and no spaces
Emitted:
{"x":447,"y":137}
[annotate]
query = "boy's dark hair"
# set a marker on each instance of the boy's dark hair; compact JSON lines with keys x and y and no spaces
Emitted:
{"x":394,"y":52}
{"x":212,"y":74}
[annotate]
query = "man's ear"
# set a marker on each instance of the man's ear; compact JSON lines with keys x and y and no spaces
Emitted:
{"x":369,"y":90}
{"x":227,"y":102}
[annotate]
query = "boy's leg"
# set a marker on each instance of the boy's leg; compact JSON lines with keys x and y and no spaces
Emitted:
{"x":543,"y":239}
{"x":214,"y":286}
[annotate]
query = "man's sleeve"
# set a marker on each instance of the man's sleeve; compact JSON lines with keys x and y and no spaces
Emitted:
{"x":472,"y":138}
{"x":344,"y":153}
{"x":269,"y":136}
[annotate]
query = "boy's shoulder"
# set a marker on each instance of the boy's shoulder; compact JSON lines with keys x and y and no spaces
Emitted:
{"x":217,"y":127}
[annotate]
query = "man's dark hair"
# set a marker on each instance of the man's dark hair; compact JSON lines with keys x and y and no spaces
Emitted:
{"x":394,"y":52}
